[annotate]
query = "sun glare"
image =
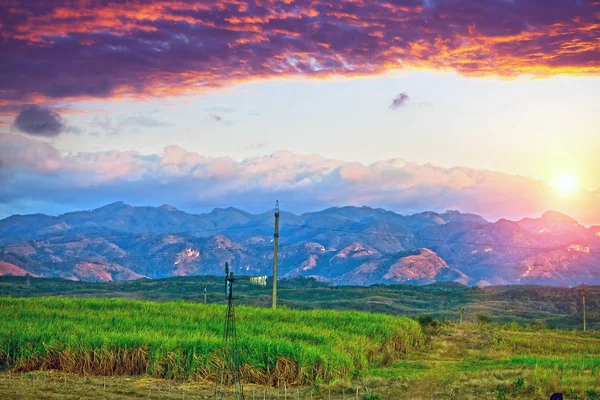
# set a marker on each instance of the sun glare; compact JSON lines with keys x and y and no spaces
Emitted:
{"x":566,"y":184}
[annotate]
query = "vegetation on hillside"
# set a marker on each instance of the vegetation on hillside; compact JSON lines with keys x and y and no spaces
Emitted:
{"x":554,"y":307}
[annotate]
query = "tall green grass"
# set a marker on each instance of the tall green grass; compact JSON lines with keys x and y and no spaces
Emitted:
{"x":173,"y":339}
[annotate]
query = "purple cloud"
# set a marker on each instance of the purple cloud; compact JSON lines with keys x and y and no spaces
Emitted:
{"x":63,"y":49}
{"x":399,"y":101}
{"x":39,"y":121}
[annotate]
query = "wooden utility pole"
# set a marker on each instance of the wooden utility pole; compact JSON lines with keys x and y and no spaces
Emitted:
{"x":275,"y":249}
{"x":583,"y":298}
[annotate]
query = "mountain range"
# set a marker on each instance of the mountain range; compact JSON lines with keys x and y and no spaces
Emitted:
{"x":342,"y":245}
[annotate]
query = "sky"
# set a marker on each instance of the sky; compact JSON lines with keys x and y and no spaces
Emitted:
{"x":487,"y":106}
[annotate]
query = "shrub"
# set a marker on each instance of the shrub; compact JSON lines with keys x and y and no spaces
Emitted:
{"x":370,"y":396}
{"x":512,"y":326}
{"x":591,"y":394}
{"x":537,"y":325}
{"x":425,"y":320}
{"x":574,"y":395}
{"x":483,"y":319}
{"x":519,"y":382}
{"x":501,"y":393}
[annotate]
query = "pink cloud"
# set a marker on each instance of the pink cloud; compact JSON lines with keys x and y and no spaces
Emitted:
{"x":38,"y":171}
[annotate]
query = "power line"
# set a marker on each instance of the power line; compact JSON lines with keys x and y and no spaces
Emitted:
{"x":224,"y":205}
{"x":305,"y":226}
{"x":161,"y":255}
{"x":139,"y":235}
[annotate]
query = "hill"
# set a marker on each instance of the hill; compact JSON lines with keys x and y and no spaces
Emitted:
{"x":347,"y":245}
{"x":555,"y":307}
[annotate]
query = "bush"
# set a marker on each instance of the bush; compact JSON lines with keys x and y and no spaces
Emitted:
{"x":425,"y":320}
{"x":537,"y":325}
{"x":483,"y":319}
{"x":370,"y":396}
{"x":591,"y":394}
{"x":519,"y":382}
{"x":501,"y":393}
{"x":513,"y":326}
{"x":574,"y":395}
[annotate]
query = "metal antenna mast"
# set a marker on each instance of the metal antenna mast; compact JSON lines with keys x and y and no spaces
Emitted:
{"x":275,"y":249}
{"x":228,"y":383}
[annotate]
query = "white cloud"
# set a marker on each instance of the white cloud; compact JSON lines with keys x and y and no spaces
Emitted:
{"x":38,"y":173}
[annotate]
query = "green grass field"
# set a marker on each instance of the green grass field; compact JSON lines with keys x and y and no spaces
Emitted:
{"x":515,"y":342}
{"x":455,"y":361}
{"x":178,"y":339}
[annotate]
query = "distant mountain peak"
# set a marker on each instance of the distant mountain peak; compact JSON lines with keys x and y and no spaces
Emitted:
{"x":422,"y":265}
{"x":352,"y":251}
{"x":228,"y":210}
{"x":457,"y":216}
{"x":168,"y":207}
{"x":222,"y":242}
{"x":451,"y":212}
{"x":117,"y":205}
{"x":551,"y":222}
{"x":505,"y":223}
{"x":556,"y":216}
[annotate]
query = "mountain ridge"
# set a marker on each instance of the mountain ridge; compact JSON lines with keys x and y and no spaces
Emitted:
{"x":342,"y":245}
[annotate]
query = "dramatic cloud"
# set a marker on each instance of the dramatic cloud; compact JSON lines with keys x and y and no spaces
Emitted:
{"x":399,"y":101}
{"x":34,"y":172}
{"x":39,"y":121}
{"x":76,"y":49}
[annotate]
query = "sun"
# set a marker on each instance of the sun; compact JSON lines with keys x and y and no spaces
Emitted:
{"x":566,"y":184}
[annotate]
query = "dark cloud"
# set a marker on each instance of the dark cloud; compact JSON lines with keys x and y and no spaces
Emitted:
{"x":64,"y":50}
{"x":216,"y":117}
{"x":39,"y":121}
{"x":399,"y":101}
{"x":220,"y":119}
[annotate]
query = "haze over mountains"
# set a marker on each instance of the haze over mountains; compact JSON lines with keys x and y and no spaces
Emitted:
{"x":345,"y":246}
